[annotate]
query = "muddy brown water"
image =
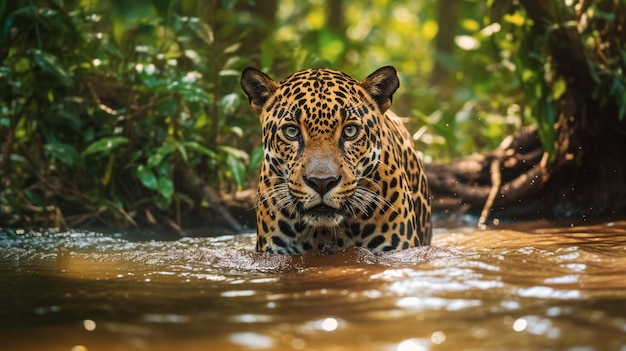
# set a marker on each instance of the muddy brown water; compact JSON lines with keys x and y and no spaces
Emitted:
{"x":528,"y":287}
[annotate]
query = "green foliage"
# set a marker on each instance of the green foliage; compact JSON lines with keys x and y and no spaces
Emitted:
{"x":102,"y":103}
{"x":591,"y":35}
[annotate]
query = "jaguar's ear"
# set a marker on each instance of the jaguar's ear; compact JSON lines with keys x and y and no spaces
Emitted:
{"x":381,"y":85}
{"x":258,"y":86}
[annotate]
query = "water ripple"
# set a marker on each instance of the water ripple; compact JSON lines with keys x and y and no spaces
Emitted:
{"x":472,"y":289}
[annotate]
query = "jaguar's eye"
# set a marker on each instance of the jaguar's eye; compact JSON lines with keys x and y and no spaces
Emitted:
{"x":291,"y":132}
{"x":350,"y":131}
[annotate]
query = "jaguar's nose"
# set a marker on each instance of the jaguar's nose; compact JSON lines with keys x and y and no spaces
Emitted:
{"x":322,"y":185}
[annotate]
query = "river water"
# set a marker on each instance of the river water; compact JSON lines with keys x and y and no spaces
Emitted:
{"x":529,"y":287}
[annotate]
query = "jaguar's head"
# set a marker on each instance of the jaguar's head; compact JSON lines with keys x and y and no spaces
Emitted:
{"x":322,"y":141}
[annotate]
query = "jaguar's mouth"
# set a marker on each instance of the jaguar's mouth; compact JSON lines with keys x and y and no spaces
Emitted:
{"x":323,"y":216}
{"x":321,"y":210}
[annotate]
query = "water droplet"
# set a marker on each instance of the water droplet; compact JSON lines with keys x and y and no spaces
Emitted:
{"x":520,"y":325}
{"x":438,"y":337}
{"x":252,"y":340}
{"x":89,"y":325}
{"x":329,"y":324}
{"x":410,"y":345}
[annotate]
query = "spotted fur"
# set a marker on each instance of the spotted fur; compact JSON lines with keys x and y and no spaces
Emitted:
{"x":339,"y":169}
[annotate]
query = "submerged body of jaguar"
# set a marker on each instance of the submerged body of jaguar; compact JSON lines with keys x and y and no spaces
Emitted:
{"x":339,"y":169}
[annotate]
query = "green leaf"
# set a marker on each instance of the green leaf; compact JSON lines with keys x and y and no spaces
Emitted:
{"x":229,"y":103}
{"x":470,"y":25}
{"x":163,"y":169}
{"x":514,"y":18}
{"x":202,"y":30}
{"x":229,"y":150}
{"x":146,"y":177}
{"x":160,"y":153}
{"x":195,"y":146}
{"x":189,"y":92}
{"x":165,"y":187}
{"x":182,"y":151}
{"x":232,"y":49}
{"x":558,"y":88}
{"x":256,"y":158}
{"x":105,"y":145}
{"x":65,"y":153}
{"x":229,"y":72}
{"x":237,"y":169}
{"x":51,"y":64}
{"x":237,"y":131}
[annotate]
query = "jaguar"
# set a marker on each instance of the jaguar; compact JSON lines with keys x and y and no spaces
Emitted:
{"x":339,"y":168}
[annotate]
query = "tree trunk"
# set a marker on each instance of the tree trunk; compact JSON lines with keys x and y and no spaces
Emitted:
{"x":447,"y":18}
{"x":265,"y":11}
{"x":334,"y":11}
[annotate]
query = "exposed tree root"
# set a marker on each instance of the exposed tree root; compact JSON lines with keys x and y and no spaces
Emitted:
{"x":197,"y":189}
{"x":514,"y":172}
{"x":496,"y":182}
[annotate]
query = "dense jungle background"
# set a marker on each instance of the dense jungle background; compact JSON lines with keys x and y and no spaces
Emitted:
{"x":123,"y":113}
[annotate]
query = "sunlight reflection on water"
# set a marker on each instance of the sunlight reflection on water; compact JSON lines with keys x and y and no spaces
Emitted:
{"x":473,"y":289}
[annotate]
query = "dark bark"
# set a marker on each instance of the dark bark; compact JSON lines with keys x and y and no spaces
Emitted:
{"x":503,"y":178}
{"x":335,"y":14}
{"x":447,"y":18}
{"x":197,"y":189}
